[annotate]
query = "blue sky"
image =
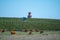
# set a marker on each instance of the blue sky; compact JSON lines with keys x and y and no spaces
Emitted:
{"x":38,"y":8}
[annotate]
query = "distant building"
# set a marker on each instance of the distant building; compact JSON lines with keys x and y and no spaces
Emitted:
{"x":29,"y":15}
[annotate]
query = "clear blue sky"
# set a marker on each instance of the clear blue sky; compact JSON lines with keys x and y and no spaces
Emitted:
{"x":39,"y":8}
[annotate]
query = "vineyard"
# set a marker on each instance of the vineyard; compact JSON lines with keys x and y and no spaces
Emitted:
{"x":33,"y":23}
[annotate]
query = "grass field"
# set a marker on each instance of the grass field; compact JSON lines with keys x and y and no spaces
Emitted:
{"x":51,"y":29}
{"x":33,"y":23}
{"x":47,"y":35}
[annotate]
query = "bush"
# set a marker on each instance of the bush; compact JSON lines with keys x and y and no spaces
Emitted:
{"x":41,"y":32}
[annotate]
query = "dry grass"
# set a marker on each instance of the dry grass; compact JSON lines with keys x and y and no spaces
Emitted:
{"x":43,"y":36}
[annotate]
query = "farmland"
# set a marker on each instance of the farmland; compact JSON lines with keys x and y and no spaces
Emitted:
{"x":33,"y":23}
{"x":50,"y":27}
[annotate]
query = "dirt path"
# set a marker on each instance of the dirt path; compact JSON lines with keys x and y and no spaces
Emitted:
{"x":30,"y":37}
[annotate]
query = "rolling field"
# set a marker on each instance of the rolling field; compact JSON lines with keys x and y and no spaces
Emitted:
{"x":33,"y":23}
{"x":51,"y":28}
{"x":49,"y":35}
